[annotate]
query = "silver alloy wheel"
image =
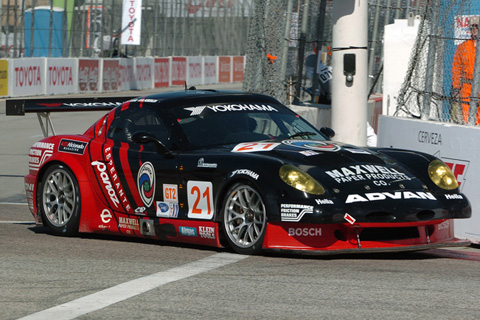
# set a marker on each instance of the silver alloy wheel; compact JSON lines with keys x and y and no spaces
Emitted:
{"x":58,"y":197}
{"x":244,"y":216}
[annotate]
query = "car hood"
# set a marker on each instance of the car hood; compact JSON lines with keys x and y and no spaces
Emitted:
{"x":338,"y":165}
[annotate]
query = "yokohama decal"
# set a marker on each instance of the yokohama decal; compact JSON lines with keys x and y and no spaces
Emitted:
{"x":146,"y":183}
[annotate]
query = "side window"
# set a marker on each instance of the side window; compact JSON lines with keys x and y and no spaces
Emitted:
{"x":129,"y":121}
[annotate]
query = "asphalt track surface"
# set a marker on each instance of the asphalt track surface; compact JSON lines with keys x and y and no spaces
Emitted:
{"x":43,"y":276}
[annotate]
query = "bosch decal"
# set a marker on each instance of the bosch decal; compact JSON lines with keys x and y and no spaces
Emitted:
{"x":399,"y":195}
{"x":305,"y":232}
{"x":146,"y":183}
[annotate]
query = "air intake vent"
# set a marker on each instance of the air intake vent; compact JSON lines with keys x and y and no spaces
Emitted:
{"x":387,"y":234}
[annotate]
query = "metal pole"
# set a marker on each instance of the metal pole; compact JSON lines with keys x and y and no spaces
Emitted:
{"x":32,"y":26}
{"x":425,"y":114}
{"x":50,"y":30}
{"x":373,"y":45}
{"x":7,"y":24}
{"x":301,"y":51}
{"x":288,"y":24}
{"x":319,"y":45}
{"x":350,"y":71}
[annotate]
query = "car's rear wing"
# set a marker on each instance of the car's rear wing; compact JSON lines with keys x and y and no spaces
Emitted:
{"x":43,"y":107}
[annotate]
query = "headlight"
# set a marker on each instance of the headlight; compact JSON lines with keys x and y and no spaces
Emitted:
{"x":441,"y":175}
{"x":300,"y":180}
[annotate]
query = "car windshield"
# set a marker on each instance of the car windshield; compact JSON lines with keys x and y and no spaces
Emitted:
{"x":207,"y":126}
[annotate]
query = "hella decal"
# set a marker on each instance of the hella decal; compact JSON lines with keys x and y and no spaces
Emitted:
{"x":376,"y":196}
{"x":146,"y":183}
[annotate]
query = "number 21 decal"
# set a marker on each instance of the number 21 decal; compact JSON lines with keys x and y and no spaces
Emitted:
{"x":200,"y":200}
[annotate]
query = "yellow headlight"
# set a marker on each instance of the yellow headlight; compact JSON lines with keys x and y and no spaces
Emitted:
{"x":441,"y":175}
{"x":300,"y":180}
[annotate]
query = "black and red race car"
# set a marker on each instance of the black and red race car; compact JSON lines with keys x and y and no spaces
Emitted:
{"x":235,"y":169}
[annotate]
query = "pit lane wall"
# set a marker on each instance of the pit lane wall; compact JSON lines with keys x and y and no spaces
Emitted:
{"x":50,"y":76}
{"x":456,"y":145}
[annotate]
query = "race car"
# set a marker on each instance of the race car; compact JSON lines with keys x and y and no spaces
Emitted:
{"x":236,"y":169}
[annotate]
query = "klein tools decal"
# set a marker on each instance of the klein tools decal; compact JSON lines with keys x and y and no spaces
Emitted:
{"x":146,"y":183}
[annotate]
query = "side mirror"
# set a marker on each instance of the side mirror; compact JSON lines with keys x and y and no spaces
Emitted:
{"x":328,"y":132}
{"x":145,"y":137}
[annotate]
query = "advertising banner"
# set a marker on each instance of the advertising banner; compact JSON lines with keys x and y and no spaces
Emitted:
{"x":127,"y":79}
{"x":179,"y":71}
{"x":110,"y":75}
{"x":210,"y":69}
{"x":131,"y":22}
{"x":61,"y":75}
{"x":238,"y":68}
{"x":162,"y":72}
{"x":88,"y":75}
{"x":224,"y":69}
{"x":195,"y":72}
{"x":456,"y":145}
{"x":3,"y":77}
{"x":144,"y":73}
{"x":27,"y":76}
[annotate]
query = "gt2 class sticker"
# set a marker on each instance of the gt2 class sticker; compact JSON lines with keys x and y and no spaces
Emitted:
{"x":254,"y":146}
{"x":399,"y":195}
{"x":72,"y":146}
{"x":200,"y":200}
{"x":312,"y":145}
{"x":365,"y":172}
{"x":170,"y":193}
{"x":294,"y":212}
{"x":195,"y":111}
{"x":146,"y":183}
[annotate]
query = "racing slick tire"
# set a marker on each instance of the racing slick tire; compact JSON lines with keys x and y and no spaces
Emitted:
{"x":244,"y":219}
{"x":59,"y":200}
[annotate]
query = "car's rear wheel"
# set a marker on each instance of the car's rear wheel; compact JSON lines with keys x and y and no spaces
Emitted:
{"x":59,"y":200}
{"x":244,"y":219}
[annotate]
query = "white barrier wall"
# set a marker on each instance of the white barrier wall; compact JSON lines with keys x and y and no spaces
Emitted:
{"x":144,"y":77}
{"x":48,"y":76}
{"x":194,"y":71}
{"x":456,"y":145}
{"x":62,"y":76}
{"x":210,"y":67}
{"x":26,"y":76}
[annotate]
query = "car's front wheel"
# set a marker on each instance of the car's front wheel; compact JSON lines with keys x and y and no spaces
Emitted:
{"x":244,"y":219}
{"x":59,"y":200}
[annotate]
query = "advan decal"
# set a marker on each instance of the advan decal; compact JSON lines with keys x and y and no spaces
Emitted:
{"x":146,"y":183}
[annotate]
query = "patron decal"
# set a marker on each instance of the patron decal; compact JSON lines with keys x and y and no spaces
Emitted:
{"x":146,"y":183}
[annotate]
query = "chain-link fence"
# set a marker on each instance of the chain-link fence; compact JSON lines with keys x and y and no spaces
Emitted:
{"x":444,"y":73}
{"x":276,"y":30}
{"x":91,"y":28}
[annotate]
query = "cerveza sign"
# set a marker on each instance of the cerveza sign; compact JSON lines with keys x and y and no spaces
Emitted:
{"x":430,"y":137}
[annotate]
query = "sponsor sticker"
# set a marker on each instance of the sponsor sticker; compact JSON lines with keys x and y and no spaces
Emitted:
{"x":188,"y":231}
{"x":206,"y":232}
{"x":305,"y":232}
{"x":72,"y":146}
{"x":195,"y":111}
{"x":245,"y":172}
{"x":167,"y":209}
{"x":349,"y":218}
{"x":398,"y":195}
{"x":313,"y":145}
{"x":146,"y":183}
{"x":202,"y":164}
{"x":366,"y":172}
{"x":294,"y":212}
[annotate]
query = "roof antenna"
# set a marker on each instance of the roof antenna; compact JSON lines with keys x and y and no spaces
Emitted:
{"x":186,"y":86}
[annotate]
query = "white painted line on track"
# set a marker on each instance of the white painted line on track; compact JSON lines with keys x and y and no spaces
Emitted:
{"x":15,"y":203}
{"x":126,"y":290}
{"x":17,"y":222}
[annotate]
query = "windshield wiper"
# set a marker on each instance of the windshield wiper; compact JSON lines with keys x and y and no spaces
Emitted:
{"x":302,"y":134}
